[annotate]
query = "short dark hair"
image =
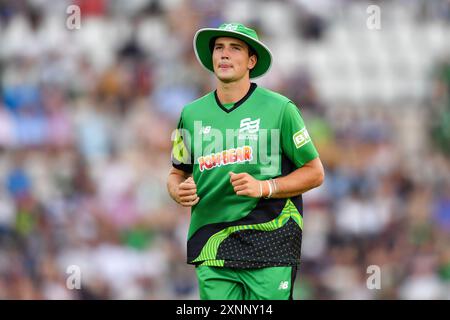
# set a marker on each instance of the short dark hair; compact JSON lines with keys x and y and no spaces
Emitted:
{"x":251,"y":51}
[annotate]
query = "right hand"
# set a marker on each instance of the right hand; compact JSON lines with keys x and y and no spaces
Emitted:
{"x":187,"y":193}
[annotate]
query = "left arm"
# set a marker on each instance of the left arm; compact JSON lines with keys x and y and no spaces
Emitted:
{"x":307,"y":177}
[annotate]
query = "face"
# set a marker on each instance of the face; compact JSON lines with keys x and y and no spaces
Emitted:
{"x":231,"y":60}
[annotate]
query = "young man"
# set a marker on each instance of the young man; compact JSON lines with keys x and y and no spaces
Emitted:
{"x":242,"y":159}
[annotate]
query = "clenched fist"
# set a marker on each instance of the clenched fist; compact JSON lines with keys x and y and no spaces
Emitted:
{"x":245,"y":185}
{"x":187,"y":193}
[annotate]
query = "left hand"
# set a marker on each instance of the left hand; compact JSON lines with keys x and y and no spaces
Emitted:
{"x":245,"y":185}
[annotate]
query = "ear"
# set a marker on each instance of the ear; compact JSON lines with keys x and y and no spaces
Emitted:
{"x":252,"y":61}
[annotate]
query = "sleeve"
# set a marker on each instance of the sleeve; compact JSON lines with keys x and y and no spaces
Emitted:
{"x":296,"y":143}
{"x":181,"y":155}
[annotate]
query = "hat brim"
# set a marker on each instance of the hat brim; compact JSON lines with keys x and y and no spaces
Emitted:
{"x":203,"y":52}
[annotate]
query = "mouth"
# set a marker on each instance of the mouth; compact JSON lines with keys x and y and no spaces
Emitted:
{"x":224,"y":66}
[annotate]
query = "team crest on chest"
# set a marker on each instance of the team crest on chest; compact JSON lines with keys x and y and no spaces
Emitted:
{"x":249,"y":129}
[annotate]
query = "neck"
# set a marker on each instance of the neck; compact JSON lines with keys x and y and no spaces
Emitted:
{"x":233,"y":91}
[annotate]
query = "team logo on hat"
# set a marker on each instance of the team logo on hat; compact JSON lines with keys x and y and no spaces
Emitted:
{"x":230,"y":27}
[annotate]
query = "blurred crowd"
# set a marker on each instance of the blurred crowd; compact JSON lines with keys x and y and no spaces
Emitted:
{"x":86,"y":117}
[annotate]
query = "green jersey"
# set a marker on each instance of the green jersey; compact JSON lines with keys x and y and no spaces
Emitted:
{"x":263,"y":135}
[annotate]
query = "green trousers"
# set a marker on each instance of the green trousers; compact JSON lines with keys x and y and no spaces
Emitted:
{"x":218,"y":283}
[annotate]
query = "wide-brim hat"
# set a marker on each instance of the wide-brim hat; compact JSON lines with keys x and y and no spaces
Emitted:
{"x":203,"y":47}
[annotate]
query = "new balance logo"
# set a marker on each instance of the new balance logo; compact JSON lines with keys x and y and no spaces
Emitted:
{"x":284,"y":285}
{"x":205,"y":130}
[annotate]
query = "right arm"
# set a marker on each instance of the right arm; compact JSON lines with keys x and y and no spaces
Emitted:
{"x":182,"y":188}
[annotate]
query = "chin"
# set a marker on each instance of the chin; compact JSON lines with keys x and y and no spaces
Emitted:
{"x":225,"y":79}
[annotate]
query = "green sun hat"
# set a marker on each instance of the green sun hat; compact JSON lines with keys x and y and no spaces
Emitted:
{"x":202,"y":48}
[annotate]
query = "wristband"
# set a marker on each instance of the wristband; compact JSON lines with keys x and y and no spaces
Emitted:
{"x":270,"y":190}
{"x":260,"y":189}
{"x":274,"y":185}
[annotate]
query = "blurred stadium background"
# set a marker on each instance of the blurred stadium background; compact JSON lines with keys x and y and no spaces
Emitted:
{"x":85,"y":123}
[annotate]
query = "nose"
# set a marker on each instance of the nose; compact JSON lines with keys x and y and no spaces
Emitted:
{"x":225,"y":54}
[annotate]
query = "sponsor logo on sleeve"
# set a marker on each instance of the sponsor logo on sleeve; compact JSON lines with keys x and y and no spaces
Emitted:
{"x":301,"y":138}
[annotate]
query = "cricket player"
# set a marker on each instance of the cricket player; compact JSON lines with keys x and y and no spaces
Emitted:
{"x":242,"y":158}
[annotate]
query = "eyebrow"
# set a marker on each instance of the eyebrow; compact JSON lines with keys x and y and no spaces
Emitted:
{"x":231,"y":44}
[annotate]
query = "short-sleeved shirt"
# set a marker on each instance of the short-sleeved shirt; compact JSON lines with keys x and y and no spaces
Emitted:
{"x":264,"y":135}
